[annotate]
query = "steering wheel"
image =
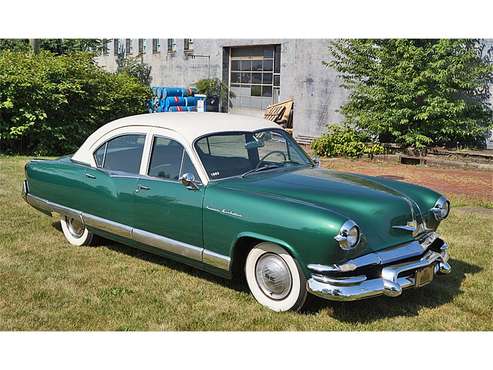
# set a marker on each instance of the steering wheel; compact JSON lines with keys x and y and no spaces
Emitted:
{"x":268,"y":154}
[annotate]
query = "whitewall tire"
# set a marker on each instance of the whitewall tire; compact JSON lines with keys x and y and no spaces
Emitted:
{"x":274,"y":278}
{"x":75,"y":231}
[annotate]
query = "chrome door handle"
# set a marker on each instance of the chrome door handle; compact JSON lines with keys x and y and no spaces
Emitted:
{"x":88,"y":175}
{"x":143,"y":187}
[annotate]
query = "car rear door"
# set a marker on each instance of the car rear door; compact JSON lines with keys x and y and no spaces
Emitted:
{"x":111,"y":186}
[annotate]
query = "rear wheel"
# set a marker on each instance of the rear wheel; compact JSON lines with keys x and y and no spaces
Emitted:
{"x":274,"y":278}
{"x":75,"y":231}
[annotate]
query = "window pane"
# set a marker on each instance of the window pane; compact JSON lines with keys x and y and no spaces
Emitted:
{"x":256,"y":65}
{"x":227,"y":156}
{"x":235,"y":153}
{"x":235,"y":65}
{"x":277,"y":80}
{"x":246,"y":65}
{"x":277,"y":59}
{"x":268,"y":53}
{"x":267,"y":65}
{"x":256,"y":89}
{"x":245,"y":78}
{"x":99,"y":155}
{"x":188,"y":167}
{"x":267,"y":78}
{"x":124,"y":153}
{"x":256,"y":78}
{"x":166,"y":159}
{"x":267,"y":91}
{"x":235,"y":77}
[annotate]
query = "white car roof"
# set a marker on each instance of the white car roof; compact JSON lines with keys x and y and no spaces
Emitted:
{"x":189,"y":125}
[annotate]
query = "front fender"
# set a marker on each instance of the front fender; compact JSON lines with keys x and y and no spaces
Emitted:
{"x":305,"y":231}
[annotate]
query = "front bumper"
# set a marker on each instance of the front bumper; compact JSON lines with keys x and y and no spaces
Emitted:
{"x":381,"y":273}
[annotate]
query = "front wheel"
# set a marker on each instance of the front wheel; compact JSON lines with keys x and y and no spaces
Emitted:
{"x":274,"y":278}
{"x":75,"y":231}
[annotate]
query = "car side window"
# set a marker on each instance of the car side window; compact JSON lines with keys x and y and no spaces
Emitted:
{"x":123,"y":153}
{"x":169,"y":160}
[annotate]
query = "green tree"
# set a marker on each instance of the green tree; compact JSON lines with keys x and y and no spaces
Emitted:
{"x":134,"y":67}
{"x":416,"y":92}
{"x":14,"y":44}
{"x":56,"y":46}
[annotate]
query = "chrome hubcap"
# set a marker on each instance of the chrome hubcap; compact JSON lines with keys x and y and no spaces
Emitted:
{"x":273,"y":276}
{"x":75,"y":227}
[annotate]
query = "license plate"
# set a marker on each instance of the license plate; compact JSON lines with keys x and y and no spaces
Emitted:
{"x":424,"y":276}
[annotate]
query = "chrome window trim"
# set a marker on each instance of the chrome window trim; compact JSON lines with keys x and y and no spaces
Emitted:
{"x":158,"y":241}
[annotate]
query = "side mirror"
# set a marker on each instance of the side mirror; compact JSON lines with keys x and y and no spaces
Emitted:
{"x":316,"y":161}
{"x":188,"y":180}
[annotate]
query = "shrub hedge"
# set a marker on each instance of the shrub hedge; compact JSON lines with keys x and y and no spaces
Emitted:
{"x":344,"y":141}
{"x":49,"y":104}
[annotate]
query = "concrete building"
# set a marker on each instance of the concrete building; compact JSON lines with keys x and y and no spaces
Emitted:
{"x":260,"y":72}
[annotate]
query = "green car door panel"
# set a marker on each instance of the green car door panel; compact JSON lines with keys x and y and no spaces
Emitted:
{"x":169,"y":209}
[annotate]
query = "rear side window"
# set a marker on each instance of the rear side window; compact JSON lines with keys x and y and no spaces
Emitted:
{"x":123,"y":153}
{"x":169,"y":160}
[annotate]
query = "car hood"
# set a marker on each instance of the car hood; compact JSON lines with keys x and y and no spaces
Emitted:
{"x":376,"y":207}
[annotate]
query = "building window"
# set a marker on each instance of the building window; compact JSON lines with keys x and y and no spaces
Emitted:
{"x":171,"y":46}
{"x":116,"y":46}
{"x":105,"y":49}
{"x":128,"y":46}
{"x":142,"y":46}
{"x":155,"y":46}
{"x":253,"y":73}
{"x":188,"y":46}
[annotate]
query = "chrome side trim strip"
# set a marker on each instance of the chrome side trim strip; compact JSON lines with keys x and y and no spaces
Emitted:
{"x":107,"y":225}
{"x":166,"y":244}
{"x":169,"y":245}
{"x":51,"y":207}
{"x":215,"y":259}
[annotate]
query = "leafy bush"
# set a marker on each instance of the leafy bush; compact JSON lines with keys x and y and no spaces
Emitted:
{"x":49,"y":104}
{"x":215,"y":87}
{"x":417,"y":92}
{"x":346,"y":142}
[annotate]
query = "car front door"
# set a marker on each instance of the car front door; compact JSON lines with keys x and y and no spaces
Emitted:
{"x":168,"y":214}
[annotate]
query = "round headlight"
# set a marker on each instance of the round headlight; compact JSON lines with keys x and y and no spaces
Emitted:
{"x":349,"y":235}
{"x":441,"y":209}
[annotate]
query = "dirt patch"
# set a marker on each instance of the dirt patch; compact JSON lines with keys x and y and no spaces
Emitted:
{"x":462,"y":182}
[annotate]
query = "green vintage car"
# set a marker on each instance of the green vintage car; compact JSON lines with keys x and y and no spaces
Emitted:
{"x":236,"y":196}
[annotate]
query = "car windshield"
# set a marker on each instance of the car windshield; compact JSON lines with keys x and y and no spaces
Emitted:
{"x":242,"y":153}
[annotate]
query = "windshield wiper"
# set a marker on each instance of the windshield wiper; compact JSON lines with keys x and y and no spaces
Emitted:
{"x":263,"y":168}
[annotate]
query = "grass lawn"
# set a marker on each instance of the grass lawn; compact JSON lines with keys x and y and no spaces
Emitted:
{"x":46,"y":284}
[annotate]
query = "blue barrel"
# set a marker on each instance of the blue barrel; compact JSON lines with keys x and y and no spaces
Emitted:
{"x":182,"y":108}
{"x":186,"y":101}
{"x":172,"y":91}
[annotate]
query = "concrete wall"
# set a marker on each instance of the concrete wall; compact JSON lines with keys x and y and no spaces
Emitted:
{"x":314,"y":88}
